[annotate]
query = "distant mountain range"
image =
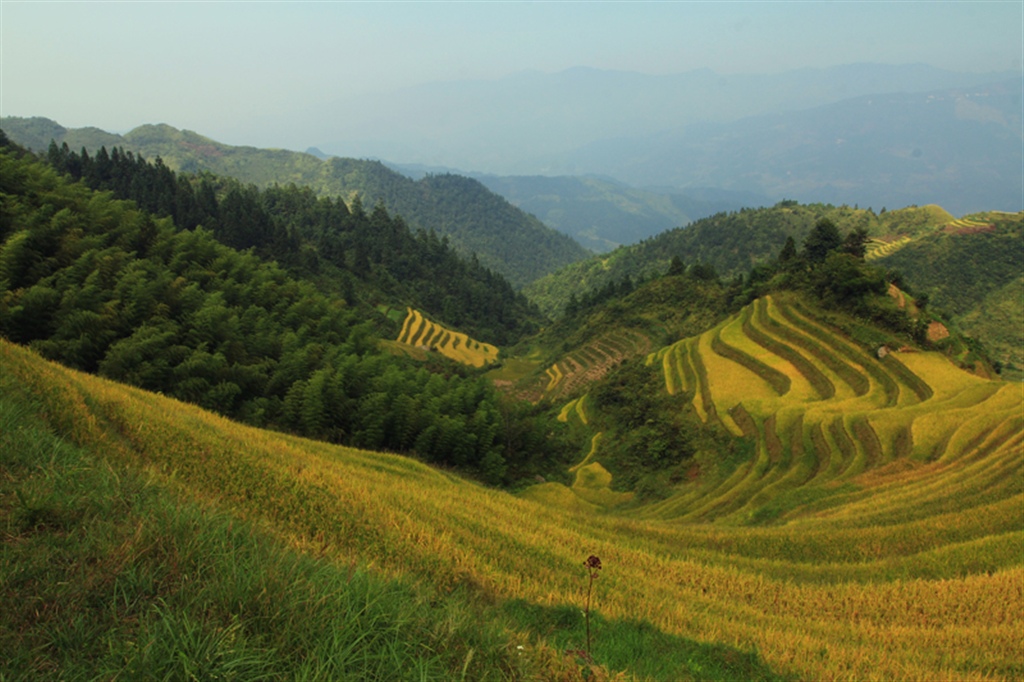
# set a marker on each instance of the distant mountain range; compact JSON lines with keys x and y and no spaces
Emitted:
{"x":504,"y":238}
{"x":959,"y":147}
{"x":868,"y":134}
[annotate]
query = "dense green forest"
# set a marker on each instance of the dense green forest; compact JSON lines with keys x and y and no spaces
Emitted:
{"x":369,"y":256}
{"x":101,"y":285}
{"x":477,"y":221}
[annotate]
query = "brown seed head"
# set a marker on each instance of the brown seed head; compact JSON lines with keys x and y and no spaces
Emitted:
{"x":593,"y":563}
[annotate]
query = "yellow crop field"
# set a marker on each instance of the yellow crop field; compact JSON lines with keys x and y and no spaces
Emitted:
{"x":574,"y":409}
{"x":910,"y":569}
{"x":814,"y":438}
{"x":877,"y":248}
{"x":421,"y":333}
{"x":592,"y":361}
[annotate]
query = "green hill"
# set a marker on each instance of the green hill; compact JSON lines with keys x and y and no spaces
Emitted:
{"x":973,"y":270}
{"x":731,"y":243}
{"x":505,"y":239}
{"x":102,"y":286}
{"x":969,"y":268}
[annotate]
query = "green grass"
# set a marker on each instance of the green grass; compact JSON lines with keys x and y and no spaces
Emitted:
{"x":105,"y":575}
{"x":638,"y":646}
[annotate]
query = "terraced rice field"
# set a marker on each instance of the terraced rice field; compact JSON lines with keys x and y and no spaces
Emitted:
{"x":419,"y":332}
{"x":968,"y":226}
{"x":863,"y":542}
{"x":575,"y":410}
{"x":828,"y":419}
{"x":575,"y":371}
{"x":880,"y":248}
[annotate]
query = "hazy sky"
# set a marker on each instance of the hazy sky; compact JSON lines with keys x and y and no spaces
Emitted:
{"x":234,"y":70}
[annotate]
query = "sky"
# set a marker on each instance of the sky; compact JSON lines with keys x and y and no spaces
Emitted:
{"x":235,"y":70}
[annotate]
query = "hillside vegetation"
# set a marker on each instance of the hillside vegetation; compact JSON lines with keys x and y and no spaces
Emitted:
{"x":908,"y":567}
{"x":102,"y":286}
{"x":973,"y":269}
{"x":730,"y":243}
{"x":505,"y":239}
{"x":968,"y":270}
{"x":367,"y":257}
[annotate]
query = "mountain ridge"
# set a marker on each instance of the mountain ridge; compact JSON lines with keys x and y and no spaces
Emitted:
{"x":961,"y":146}
{"x":523,"y":123}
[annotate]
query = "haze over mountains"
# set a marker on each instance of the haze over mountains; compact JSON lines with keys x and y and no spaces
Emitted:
{"x":810,"y":134}
{"x":614,"y":157}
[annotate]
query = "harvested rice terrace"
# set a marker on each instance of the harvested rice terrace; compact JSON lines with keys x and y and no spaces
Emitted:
{"x":576,"y":370}
{"x":832,"y":424}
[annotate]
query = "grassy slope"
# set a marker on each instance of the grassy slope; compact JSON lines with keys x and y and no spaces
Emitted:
{"x":108,"y":574}
{"x":146,"y":538}
{"x":908,"y":578}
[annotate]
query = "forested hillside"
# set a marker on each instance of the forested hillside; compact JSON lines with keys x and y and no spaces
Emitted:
{"x":370,"y":257}
{"x":505,"y":239}
{"x":730,"y":243}
{"x":102,"y":286}
{"x":973,"y":270}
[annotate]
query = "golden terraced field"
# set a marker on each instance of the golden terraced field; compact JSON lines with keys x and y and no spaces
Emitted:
{"x":591,"y":362}
{"x":876,"y":534}
{"x":419,"y":332}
